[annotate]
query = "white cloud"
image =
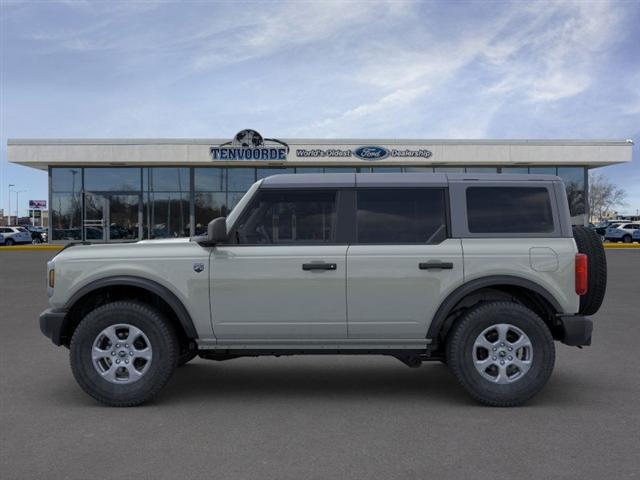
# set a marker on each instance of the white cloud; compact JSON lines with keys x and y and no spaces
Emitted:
{"x":553,"y":56}
{"x":291,"y":25}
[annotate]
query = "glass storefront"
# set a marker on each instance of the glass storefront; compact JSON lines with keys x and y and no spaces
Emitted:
{"x":133,"y":203}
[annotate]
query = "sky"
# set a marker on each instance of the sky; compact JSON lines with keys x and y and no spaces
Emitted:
{"x":374,"y":69}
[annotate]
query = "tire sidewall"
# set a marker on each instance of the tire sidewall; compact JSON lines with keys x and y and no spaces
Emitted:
{"x":460,"y":353}
{"x":162,"y":343}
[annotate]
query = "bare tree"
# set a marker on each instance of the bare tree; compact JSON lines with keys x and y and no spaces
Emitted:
{"x":604,"y":196}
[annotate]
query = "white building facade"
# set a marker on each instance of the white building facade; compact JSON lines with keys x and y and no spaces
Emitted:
{"x":132,"y":189}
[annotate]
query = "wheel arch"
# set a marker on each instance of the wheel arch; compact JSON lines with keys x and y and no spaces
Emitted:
{"x":125,"y":286}
{"x":526,"y":291}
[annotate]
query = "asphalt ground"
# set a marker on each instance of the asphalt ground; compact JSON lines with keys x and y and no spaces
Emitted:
{"x":318,"y":417}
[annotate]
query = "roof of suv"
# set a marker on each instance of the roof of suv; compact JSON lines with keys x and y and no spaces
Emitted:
{"x":414,"y":179}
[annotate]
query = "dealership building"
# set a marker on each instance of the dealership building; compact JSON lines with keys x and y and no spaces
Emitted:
{"x":131,"y":189}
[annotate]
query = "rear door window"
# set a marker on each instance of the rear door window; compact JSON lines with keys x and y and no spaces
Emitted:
{"x":401,"y":215}
{"x":509,"y":210}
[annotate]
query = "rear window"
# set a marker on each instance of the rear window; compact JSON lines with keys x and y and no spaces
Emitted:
{"x":401,"y":215}
{"x":509,"y":210}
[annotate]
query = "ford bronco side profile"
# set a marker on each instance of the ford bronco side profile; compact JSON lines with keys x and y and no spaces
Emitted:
{"x":481,"y":272}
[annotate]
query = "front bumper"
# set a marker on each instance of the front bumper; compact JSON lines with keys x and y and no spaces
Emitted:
{"x":52,"y":323}
{"x":575,"y":330}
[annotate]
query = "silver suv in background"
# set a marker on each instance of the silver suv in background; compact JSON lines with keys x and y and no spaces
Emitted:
{"x":15,"y":235}
{"x":481,"y":272}
{"x":622,"y":232}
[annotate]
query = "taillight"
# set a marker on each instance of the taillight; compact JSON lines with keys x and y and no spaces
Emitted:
{"x":581,"y":273}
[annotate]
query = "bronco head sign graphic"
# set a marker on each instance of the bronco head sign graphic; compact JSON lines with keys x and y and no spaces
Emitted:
{"x":250,"y":145}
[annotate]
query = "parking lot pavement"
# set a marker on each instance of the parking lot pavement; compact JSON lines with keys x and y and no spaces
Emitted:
{"x":318,"y":417}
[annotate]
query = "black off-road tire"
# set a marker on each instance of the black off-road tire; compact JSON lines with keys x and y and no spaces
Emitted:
{"x":161,"y":337}
{"x":9,"y":242}
{"x":460,"y":360}
{"x":589,"y":243}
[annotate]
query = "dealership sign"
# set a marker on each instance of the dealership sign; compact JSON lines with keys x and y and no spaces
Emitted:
{"x":366,"y":152}
{"x":38,"y":204}
{"x":250,"y":145}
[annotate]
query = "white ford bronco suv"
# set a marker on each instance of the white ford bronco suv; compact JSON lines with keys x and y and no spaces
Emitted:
{"x":481,"y":272}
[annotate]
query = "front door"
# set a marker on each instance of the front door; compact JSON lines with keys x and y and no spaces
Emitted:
{"x":401,"y":265}
{"x":283,"y":277}
{"x":112,"y":217}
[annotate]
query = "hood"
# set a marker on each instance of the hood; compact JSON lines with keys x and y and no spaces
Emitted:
{"x":160,"y":248}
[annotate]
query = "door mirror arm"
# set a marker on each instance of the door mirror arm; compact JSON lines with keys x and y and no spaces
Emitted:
{"x":216,"y":233}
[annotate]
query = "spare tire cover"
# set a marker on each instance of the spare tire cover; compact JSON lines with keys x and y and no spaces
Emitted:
{"x":589,"y":243}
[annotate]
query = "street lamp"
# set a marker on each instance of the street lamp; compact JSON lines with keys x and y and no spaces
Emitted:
{"x":9,"y":211}
{"x":18,"y":192}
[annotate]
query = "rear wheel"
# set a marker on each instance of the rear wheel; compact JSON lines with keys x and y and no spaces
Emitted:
{"x":501,"y":353}
{"x":123,"y":353}
{"x":626,"y":239}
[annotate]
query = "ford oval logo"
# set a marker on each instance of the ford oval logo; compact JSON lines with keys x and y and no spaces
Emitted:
{"x":371,"y":153}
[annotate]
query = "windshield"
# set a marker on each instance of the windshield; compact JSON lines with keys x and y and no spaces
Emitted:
{"x":233,"y":215}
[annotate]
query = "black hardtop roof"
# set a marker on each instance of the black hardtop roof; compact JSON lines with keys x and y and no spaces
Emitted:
{"x":408,"y":179}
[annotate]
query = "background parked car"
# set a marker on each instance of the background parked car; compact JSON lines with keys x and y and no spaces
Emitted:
{"x":38,"y":234}
{"x":15,"y":235}
{"x":636,"y":236}
{"x":622,"y":232}
{"x":1,"y":239}
{"x":601,"y":228}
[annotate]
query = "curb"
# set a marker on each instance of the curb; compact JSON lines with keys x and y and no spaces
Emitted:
{"x":621,"y":246}
{"x":29,"y":248}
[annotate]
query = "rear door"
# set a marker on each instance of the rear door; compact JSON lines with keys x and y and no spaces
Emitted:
{"x":402,"y":263}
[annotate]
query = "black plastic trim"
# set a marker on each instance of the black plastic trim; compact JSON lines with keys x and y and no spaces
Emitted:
{"x":52,"y":323}
{"x":167,"y":295}
{"x":576,"y":330}
{"x":435,"y":265}
{"x":458,"y":294}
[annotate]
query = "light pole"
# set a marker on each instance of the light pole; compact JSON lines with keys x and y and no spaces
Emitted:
{"x":9,"y":211}
{"x":18,"y":192}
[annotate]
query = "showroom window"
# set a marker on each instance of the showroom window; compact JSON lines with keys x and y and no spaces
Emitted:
{"x":574,"y":182}
{"x":390,"y":215}
{"x":66,"y":203}
{"x":210,"y":196}
{"x":112,"y":179}
{"x":167,"y":193}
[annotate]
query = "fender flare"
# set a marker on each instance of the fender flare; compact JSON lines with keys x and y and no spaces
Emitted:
{"x":154,"y":287}
{"x":462,"y":291}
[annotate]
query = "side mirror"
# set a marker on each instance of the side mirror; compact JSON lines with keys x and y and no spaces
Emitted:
{"x":217,"y":230}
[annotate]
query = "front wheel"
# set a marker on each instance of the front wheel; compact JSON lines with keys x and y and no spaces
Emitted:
{"x":9,"y":242}
{"x":501,"y":353}
{"x":123,"y":353}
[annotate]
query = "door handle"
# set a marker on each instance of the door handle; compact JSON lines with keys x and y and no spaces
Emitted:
{"x":319,"y":266}
{"x":435,"y":265}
